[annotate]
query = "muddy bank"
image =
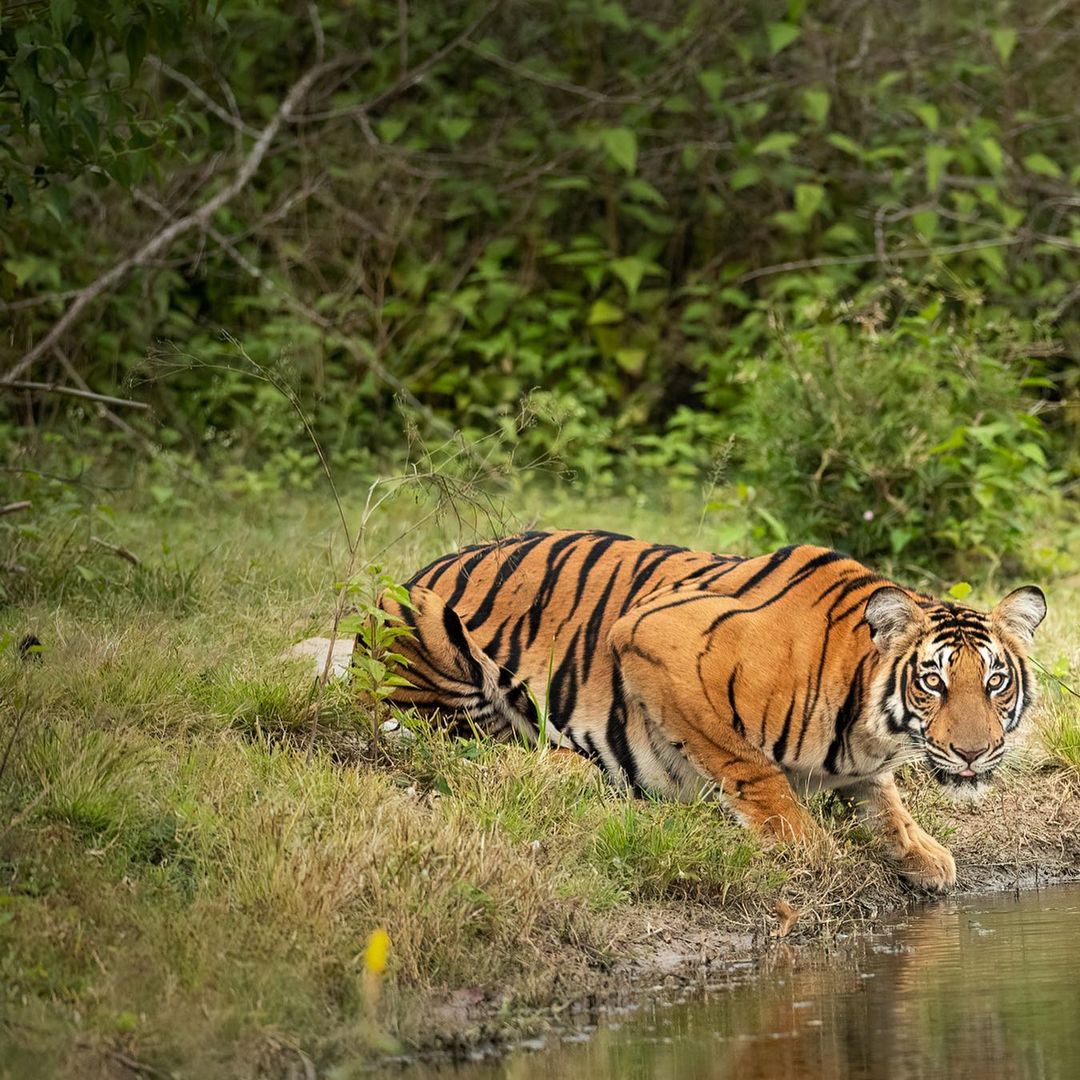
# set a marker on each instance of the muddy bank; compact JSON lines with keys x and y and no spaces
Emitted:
{"x":1025,"y":834}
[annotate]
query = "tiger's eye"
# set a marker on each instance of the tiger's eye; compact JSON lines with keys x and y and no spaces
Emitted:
{"x":996,"y":681}
{"x":934,"y":683}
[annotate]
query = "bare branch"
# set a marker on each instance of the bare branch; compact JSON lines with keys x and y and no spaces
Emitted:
{"x":103,"y":410}
{"x":11,"y":508}
{"x":117,"y":550}
{"x":199,"y":218}
{"x":554,"y":84}
{"x":201,"y":95}
{"x":70,"y":391}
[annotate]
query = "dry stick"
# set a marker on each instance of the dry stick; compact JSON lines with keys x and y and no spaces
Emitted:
{"x":70,"y":391}
{"x":199,"y":218}
{"x":200,"y":94}
{"x":411,"y":78}
{"x":11,"y":508}
{"x":103,"y":410}
{"x":116,"y":549}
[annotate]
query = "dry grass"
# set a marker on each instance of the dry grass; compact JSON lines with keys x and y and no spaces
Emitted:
{"x":183,"y":885}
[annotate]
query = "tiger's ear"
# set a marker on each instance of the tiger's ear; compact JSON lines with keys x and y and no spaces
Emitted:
{"x":1021,"y":611}
{"x":891,"y":614}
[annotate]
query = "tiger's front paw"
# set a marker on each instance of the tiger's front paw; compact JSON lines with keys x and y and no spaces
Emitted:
{"x":926,"y":863}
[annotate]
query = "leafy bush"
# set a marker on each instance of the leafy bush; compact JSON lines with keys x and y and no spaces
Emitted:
{"x":920,"y":440}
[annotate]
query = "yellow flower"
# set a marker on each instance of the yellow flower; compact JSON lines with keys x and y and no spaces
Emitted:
{"x":376,"y":951}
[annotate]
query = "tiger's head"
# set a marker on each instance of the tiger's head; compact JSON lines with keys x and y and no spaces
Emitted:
{"x":952,"y":680}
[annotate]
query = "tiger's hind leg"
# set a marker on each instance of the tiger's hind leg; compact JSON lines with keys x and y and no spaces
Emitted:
{"x":448,"y":672}
{"x":652,"y":656}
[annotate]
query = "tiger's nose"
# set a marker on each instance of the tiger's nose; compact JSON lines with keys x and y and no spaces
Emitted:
{"x":969,"y":755}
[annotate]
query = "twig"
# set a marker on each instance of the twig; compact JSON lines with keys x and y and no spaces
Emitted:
{"x":70,"y":391}
{"x":360,"y":356}
{"x":11,"y":508}
{"x":1050,"y":675}
{"x":136,"y":1066}
{"x":103,"y":410}
{"x":200,"y":94}
{"x":199,"y":218}
{"x":116,"y":549}
{"x":553,"y":84}
{"x":15,"y":728}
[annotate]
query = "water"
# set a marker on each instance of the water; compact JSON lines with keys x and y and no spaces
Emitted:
{"x":974,"y":989}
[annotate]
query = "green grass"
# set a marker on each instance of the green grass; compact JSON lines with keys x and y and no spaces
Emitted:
{"x":184,"y":881}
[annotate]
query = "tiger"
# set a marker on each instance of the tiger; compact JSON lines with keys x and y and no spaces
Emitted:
{"x":757,"y":680}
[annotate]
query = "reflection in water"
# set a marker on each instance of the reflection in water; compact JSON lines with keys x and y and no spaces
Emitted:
{"x":965,"y":990}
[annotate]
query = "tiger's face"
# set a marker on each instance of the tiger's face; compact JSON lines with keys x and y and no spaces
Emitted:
{"x":955,"y":682}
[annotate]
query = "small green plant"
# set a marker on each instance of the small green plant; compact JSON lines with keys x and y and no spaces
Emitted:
{"x":376,"y":663}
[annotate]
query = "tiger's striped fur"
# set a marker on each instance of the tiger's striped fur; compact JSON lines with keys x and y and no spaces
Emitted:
{"x":678,"y":670}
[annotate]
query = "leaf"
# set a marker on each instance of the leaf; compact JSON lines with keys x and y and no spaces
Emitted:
{"x":840,"y":235}
{"x":992,"y":154}
{"x":1033,"y":452}
{"x":712,"y":81}
{"x":743,"y":177}
{"x":926,"y":223}
{"x":621,"y":146}
{"x":643,"y":190}
{"x":789,"y":222}
{"x":1044,"y":166}
{"x":1004,"y":41}
{"x":842,"y":142}
{"x":960,"y":590}
{"x":61,"y":12}
{"x":993,"y":258}
{"x":779,"y":142}
{"x":80,"y":42}
{"x":808,"y":200}
{"x":816,"y":104}
{"x":929,"y":115}
{"x":937,"y":157}
{"x":390,"y":128}
{"x":631,"y":269}
{"x":781,"y":35}
{"x":135,"y":48}
{"x":603,"y":313}
{"x":455,"y":128}
{"x":631,"y":361}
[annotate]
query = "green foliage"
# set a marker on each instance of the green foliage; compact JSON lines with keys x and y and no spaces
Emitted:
{"x":67,"y":80}
{"x":605,"y":209}
{"x":915,"y":440}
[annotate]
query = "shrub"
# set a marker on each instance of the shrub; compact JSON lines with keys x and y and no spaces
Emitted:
{"x":917,"y":442}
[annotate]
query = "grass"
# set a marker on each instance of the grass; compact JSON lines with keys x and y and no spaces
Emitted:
{"x":186,"y":883}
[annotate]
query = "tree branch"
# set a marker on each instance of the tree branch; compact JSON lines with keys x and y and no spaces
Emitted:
{"x":199,"y":218}
{"x":200,"y":94}
{"x":70,"y":391}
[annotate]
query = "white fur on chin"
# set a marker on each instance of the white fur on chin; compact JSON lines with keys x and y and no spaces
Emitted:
{"x":965,"y":794}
